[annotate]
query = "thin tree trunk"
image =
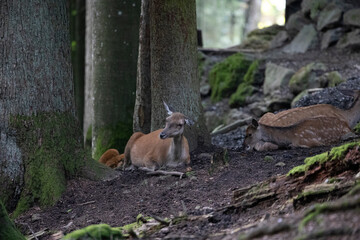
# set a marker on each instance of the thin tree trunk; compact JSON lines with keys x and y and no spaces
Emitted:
{"x":253,"y":16}
{"x":89,"y":103}
{"x":142,"y":111}
{"x":115,"y":45}
{"x":174,"y":76}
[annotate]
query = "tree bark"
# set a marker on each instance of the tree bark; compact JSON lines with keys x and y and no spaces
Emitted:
{"x":36,"y":102}
{"x":114,"y":49}
{"x":173,"y":58}
{"x":77,"y":13}
{"x":142,"y":111}
{"x":89,"y":103}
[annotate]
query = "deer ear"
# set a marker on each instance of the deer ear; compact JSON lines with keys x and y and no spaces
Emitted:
{"x":189,"y":121}
{"x":167,"y":108}
{"x":254,"y":123}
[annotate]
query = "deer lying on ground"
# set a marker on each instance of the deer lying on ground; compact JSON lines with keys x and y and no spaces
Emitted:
{"x":306,"y":127}
{"x":112,"y":158}
{"x":163,"y":147}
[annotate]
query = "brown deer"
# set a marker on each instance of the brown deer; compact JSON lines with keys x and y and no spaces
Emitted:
{"x":306,"y":127}
{"x":163,"y":147}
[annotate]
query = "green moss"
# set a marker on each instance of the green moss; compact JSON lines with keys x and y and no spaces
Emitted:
{"x":96,"y":232}
{"x":52,"y":152}
{"x":334,"y":154}
{"x":8,"y":230}
{"x":112,"y":137}
{"x":334,"y":79}
{"x":357,"y":128}
{"x":245,"y":89}
{"x":261,"y":38}
{"x":227,"y":75}
{"x":316,"y":7}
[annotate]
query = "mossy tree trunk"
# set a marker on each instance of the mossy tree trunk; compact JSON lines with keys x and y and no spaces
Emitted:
{"x":173,"y":58}
{"x":115,"y":36}
{"x":39,"y":133}
{"x":8,"y":230}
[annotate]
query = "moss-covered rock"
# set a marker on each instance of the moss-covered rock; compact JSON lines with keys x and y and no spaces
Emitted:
{"x":52,"y":152}
{"x":306,"y":77}
{"x":335,"y":153}
{"x":245,"y":89}
{"x":261,"y":38}
{"x":95,"y":232}
{"x":8,"y":230}
{"x":225,"y":76}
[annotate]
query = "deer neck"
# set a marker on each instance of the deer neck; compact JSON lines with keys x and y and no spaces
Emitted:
{"x":177,"y":147}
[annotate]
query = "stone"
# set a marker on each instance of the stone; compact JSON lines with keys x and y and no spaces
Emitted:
{"x":352,"y":17}
{"x":306,"y":39}
{"x":350,"y":40}
{"x":330,"y":37}
{"x":331,"y":79}
{"x":295,"y":23}
{"x":312,"y":8}
{"x":212,"y":120}
{"x":329,"y":16}
{"x":306,"y":77}
{"x":276,"y":77}
{"x":279,"y":40}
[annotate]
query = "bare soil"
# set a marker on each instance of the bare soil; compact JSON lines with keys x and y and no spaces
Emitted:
{"x":208,"y":188}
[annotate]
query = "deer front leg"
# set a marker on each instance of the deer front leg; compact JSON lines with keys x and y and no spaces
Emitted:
{"x":265,"y":146}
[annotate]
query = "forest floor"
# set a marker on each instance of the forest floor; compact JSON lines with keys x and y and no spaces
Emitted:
{"x":204,"y":201}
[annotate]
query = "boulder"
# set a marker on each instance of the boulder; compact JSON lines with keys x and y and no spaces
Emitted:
{"x":276,"y":77}
{"x":312,"y":8}
{"x":279,"y":40}
{"x":306,"y":77}
{"x":329,"y":16}
{"x":295,"y":23}
{"x":261,"y":38}
{"x":352,"y":17}
{"x":330,"y":37}
{"x":336,"y":96}
{"x":306,"y":39}
{"x":350,"y":40}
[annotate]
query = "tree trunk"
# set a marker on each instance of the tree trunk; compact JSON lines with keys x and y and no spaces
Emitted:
{"x":253,"y":16}
{"x":77,"y":19}
{"x":115,"y":45}
{"x":142,"y":111}
{"x":173,"y":58}
{"x":38,"y":129}
{"x":89,"y":96}
{"x":8,"y":230}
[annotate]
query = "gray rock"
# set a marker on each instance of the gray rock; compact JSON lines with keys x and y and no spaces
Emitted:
{"x":312,"y":8}
{"x":295,"y":23}
{"x":276,"y":77}
{"x":279,"y":40}
{"x":306,"y":39}
{"x":329,"y":16}
{"x":352,"y":17}
{"x":212,"y":120}
{"x":338,"y":96}
{"x":330,"y":37}
{"x":350,"y":40}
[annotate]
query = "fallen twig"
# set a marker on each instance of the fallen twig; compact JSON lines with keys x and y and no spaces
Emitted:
{"x":35,"y":235}
{"x":231,"y":126}
{"x":161,"y":172}
{"x":86,"y":203}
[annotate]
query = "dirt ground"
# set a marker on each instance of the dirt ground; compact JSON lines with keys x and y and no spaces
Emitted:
{"x":207,"y":188}
{"x":119,"y":201}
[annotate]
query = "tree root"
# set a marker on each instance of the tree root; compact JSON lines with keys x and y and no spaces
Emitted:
{"x":162,"y":172}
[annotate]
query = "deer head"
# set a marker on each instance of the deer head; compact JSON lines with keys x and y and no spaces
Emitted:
{"x":251,"y":136}
{"x":174,"y":123}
